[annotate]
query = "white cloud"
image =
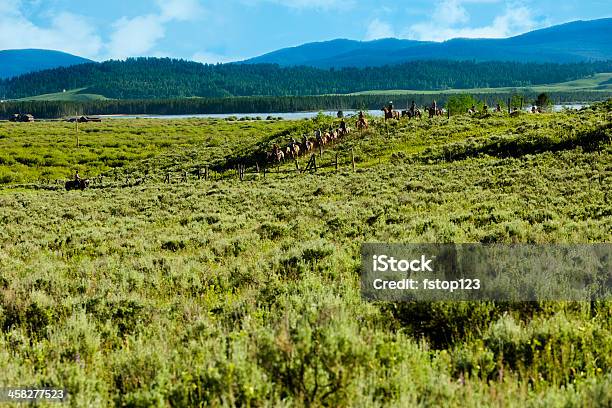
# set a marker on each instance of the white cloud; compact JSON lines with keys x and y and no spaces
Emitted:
{"x":139,"y":35}
{"x":180,"y":10}
{"x":379,"y":29}
{"x":308,"y":4}
{"x":450,"y":18}
{"x":212,"y":58}
{"x":450,"y":12}
{"x":66,"y":32}
{"x":135,"y":37}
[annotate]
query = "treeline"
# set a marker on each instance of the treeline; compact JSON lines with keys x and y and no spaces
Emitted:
{"x":261,"y":104}
{"x":162,"y":78}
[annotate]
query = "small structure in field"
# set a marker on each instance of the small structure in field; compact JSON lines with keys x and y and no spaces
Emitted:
{"x":20,"y":117}
{"x":85,"y":119}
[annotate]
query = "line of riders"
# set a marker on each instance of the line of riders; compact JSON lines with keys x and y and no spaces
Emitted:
{"x":434,"y":110}
{"x":319,"y":139}
{"x":295,"y":148}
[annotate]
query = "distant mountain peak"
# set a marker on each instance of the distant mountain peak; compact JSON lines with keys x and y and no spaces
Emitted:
{"x":574,"y":41}
{"x":22,"y":61}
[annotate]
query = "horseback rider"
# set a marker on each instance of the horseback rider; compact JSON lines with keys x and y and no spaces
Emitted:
{"x":77,"y":178}
{"x":343,"y":126}
{"x":413,"y":108}
{"x":498,"y":108}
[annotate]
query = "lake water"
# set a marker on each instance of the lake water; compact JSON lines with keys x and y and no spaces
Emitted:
{"x":285,"y":115}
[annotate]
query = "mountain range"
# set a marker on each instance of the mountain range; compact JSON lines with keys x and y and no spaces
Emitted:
{"x":577,"y":41}
{"x":583,"y":48}
{"x":19,"y":62}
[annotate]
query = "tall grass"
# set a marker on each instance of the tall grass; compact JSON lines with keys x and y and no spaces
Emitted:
{"x":228,"y":293}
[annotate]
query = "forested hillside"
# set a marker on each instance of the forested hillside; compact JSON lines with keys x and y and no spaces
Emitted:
{"x":152,"y":78}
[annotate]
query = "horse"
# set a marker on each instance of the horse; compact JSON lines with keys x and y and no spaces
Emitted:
{"x":321,"y":139}
{"x":307,"y":145}
{"x":328,"y":137}
{"x":412,"y":114}
{"x":276,"y":155}
{"x":390,"y":113}
{"x":362,"y":123}
{"x":344,"y":131}
{"x":293,"y":150}
{"x":433,"y":111}
{"x":77,"y":184}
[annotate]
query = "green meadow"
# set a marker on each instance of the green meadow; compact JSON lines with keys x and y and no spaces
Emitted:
{"x":598,"y":83}
{"x":229,"y":292}
{"x":72,"y":95}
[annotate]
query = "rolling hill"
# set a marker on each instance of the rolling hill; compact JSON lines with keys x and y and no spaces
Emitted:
{"x":571,"y":42}
{"x":19,"y":62}
{"x":73,"y":95}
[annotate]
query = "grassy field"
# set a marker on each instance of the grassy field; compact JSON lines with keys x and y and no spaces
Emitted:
{"x":48,"y":150}
{"x":224,"y":292}
{"x":598,"y":82}
{"x":72,"y":95}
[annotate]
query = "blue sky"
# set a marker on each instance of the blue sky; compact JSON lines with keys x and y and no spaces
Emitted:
{"x":227,"y":30}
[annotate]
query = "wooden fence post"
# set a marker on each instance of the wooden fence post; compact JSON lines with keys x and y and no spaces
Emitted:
{"x":167,"y":178}
{"x":353,"y":158}
{"x":312,"y":163}
{"x":206,"y":173}
{"x":184,"y":176}
{"x":297,"y":165}
{"x":509,"y":107}
{"x":336,"y":161}
{"x":199,"y":173}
